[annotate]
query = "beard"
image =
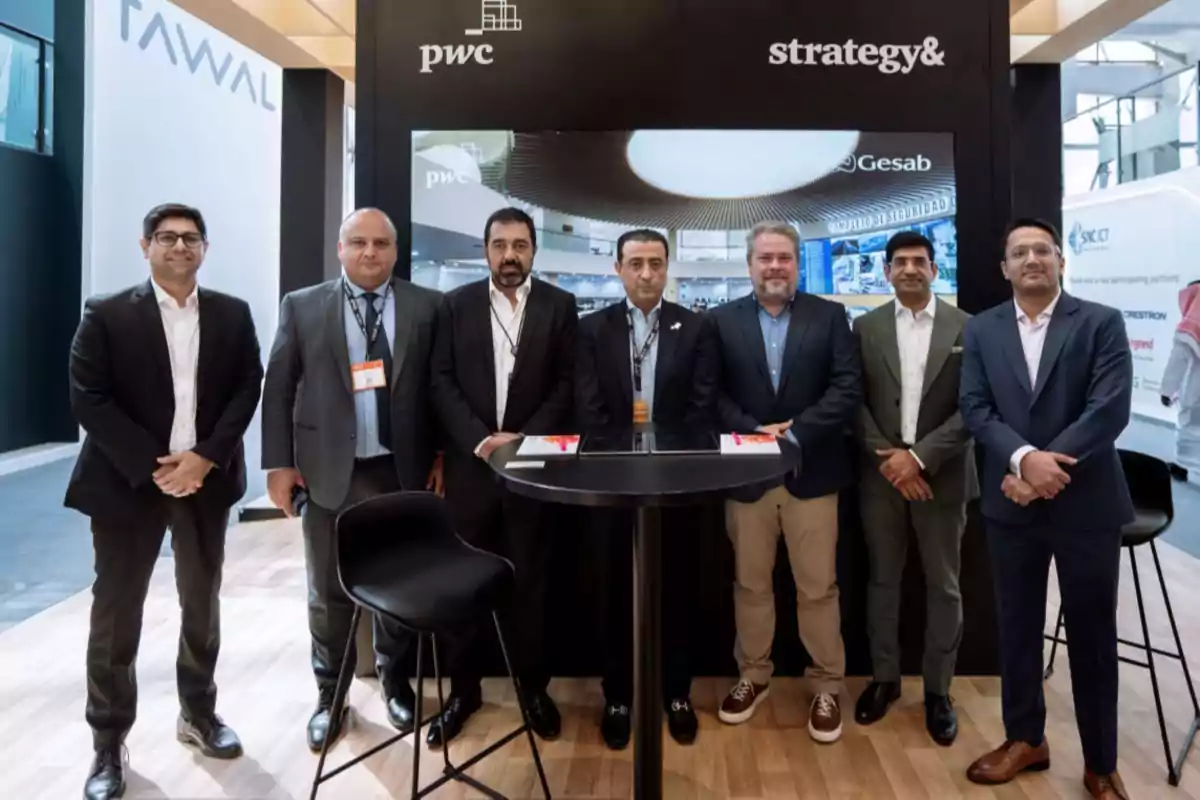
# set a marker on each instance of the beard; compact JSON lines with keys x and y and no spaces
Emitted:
{"x":510,"y":274}
{"x":777,"y":287}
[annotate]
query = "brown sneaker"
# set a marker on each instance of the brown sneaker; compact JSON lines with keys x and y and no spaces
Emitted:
{"x":825,"y":718}
{"x":1009,"y":760}
{"x":1105,"y":787}
{"x":739,"y":705}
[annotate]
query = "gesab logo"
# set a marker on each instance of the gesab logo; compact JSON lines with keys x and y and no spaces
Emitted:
{"x":494,"y":15}
{"x":887,"y":58}
{"x":870,"y":163}
{"x":156,"y":29}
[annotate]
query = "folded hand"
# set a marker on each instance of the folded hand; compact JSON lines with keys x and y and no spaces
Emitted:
{"x":182,"y":474}
{"x":1019,"y":491}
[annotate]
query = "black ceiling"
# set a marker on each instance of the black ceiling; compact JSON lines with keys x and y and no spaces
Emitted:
{"x":585,"y":173}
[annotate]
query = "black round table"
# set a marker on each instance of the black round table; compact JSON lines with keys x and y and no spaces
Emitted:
{"x":645,"y":482}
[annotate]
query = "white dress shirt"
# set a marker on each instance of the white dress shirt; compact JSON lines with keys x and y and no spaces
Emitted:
{"x":914,"y":330}
{"x":1033,"y":341}
{"x":507,"y":323}
{"x":181,"y":324}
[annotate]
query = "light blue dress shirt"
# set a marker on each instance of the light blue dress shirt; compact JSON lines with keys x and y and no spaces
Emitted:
{"x":774,"y":333}
{"x":366,"y":443}
{"x":642,"y":325}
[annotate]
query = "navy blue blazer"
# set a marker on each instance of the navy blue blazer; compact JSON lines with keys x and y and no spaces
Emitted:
{"x":1079,"y":407}
{"x":820,"y":388}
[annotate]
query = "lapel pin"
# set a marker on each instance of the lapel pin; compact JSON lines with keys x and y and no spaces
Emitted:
{"x":677,"y":326}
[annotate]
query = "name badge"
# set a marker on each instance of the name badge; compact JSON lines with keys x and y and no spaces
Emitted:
{"x":368,"y":376}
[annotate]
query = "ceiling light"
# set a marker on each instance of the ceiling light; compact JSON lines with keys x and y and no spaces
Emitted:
{"x":736,"y":164}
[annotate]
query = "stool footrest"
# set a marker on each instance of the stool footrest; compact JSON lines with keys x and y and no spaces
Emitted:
{"x":364,"y":756}
{"x":458,"y":772}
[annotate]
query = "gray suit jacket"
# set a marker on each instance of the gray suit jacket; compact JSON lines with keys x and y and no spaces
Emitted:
{"x":308,"y":414}
{"x":943,"y":444}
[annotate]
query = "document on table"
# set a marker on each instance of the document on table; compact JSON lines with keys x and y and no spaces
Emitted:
{"x":749,"y":444}
{"x":565,"y":445}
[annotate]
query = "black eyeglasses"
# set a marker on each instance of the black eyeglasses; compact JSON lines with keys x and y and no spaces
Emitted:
{"x":170,"y":238}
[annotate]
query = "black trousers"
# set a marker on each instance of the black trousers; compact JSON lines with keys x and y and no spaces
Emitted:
{"x":612,"y":541}
{"x":330,"y":611}
{"x":511,"y":526}
{"x":1088,"y":567}
{"x":125,"y":555}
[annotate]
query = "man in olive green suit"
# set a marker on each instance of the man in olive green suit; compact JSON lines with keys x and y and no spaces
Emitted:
{"x":918,"y":470}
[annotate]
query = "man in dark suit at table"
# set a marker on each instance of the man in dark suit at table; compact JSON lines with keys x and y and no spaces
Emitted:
{"x":348,"y":415}
{"x":503,"y":368}
{"x":645,"y":360}
{"x":791,"y":367}
{"x":1047,"y":381}
{"x":165,"y":378}
{"x":918,"y":470}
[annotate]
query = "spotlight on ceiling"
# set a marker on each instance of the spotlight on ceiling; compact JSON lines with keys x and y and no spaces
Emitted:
{"x":725,"y":165}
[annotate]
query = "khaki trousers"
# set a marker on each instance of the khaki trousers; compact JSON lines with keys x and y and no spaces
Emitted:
{"x":810,"y":532}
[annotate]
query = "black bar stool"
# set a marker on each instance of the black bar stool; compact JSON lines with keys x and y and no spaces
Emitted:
{"x":1149,"y":482}
{"x":399,"y":556}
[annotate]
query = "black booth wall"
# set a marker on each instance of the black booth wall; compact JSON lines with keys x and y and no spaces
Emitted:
{"x":41,"y":208}
{"x":629,"y":64}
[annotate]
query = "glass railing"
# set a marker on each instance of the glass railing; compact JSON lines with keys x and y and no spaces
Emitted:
{"x":1145,"y":132}
{"x":25,"y":90}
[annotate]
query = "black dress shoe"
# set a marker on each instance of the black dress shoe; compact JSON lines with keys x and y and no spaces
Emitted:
{"x":543,"y":715}
{"x":875,"y":701}
{"x":459,"y":709}
{"x":106,"y":779}
{"x":211,"y":736}
{"x":681,"y":720}
{"x":401,"y":708}
{"x":320,"y":725}
{"x":940,"y":719}
{"x":615,"y":727}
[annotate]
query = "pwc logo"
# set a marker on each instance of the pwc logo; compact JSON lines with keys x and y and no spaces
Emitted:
{"x":494,"y":15}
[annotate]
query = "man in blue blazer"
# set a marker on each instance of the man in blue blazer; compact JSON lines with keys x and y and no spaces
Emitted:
{"x":1045,"y":390}
{"x":790,"y":366}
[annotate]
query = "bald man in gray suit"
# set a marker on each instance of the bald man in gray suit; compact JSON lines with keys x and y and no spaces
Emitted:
{"x":348,"y":415}
{"x":919,"y":471}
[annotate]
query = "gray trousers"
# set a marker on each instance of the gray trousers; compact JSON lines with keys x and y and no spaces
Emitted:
{"x":887,"y":519}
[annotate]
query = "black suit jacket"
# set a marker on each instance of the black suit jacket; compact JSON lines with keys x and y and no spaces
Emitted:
{"x":122,"y":395}
{"x":820,"y":388}
{"x":540,"y":398}
{"x":1079,"y":407}
{"x":685,"y":372}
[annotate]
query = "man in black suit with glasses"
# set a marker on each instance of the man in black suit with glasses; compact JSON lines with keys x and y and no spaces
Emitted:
{"x":165,"y":378}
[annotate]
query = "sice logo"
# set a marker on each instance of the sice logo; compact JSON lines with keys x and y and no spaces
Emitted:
{"x":495,"y":15}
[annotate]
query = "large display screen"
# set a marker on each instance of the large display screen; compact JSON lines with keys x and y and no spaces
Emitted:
{"x":846,"y":192}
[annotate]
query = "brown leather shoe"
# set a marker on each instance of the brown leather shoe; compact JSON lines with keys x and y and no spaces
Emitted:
{"x":1105,"y":787}
{"x":1008,"y":761}
{"x":742,"y":701}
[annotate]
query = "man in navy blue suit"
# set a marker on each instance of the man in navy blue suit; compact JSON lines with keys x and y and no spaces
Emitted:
{"x":1046,"y":388}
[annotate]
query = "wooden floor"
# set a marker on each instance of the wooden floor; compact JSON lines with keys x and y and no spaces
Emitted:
{"x":267,"y":694}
